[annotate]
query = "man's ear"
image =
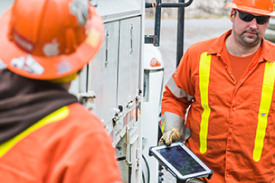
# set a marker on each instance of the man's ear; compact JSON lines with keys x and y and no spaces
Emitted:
{"x":232,"y":14}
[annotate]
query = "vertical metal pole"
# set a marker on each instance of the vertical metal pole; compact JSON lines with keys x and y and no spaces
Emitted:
{"x":157,"y":23}
{"x":180,"y":34}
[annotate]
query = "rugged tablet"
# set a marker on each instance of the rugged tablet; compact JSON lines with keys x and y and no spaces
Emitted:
{"x":180,"y":161}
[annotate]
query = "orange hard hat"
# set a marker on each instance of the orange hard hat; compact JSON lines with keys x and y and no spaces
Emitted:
{"x":49,"y":39}
{"x":262,"y":7}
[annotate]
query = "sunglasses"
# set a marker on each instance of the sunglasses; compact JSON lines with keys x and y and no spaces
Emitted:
{"x":247,"y":17}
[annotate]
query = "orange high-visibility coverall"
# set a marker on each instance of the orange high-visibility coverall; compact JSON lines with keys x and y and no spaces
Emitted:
{"x":68,"y":146}
{"x":237,"y":139}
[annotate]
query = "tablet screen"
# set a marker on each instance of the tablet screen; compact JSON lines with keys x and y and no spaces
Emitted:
{"x":183,"y":162}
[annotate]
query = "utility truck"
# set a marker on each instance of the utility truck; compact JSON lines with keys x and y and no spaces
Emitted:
{"x":123,"y":84}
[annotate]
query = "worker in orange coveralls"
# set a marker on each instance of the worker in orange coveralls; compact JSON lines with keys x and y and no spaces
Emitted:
{"x":228,"y":82}
{"x":45,"y":134}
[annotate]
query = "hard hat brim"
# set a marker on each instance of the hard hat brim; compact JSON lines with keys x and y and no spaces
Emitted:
{"x":46,"y":68}
{"x":251,"y":10}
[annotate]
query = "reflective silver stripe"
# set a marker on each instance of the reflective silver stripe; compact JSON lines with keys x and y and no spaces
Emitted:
{"x":178,"y":92}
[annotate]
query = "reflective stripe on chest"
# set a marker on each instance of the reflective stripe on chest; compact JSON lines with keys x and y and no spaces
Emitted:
{"x":266,"y":98}
{"x":204,"y":73}
{"x":53,"y":117}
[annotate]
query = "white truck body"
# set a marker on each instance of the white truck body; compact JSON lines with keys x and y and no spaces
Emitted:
{"x":111,"y":85}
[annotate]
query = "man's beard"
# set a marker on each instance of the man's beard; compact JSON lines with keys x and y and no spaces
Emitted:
{"x":249,"y":40}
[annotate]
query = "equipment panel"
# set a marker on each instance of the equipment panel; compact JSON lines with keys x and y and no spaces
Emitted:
{"x":129,"y":60}
{"x":102,"y":79}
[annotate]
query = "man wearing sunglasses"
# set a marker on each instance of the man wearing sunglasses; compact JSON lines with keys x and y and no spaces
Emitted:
{"x":228,"y":83}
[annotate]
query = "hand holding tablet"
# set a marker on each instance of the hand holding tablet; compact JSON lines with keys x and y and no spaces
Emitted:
{"x":180,"y":161}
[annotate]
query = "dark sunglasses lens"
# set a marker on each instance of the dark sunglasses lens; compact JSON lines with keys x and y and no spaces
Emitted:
{"x":245,"y":16}
{"x":262,"y":19}
{"x":249,"y":17}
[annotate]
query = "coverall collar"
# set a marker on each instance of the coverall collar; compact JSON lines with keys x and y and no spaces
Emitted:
{"x":218,"y":45}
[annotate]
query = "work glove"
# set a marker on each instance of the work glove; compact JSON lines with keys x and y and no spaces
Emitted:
{"x":169,"y":137}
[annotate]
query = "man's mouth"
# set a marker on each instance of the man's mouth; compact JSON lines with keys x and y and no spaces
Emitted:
{"x":250,"y":33}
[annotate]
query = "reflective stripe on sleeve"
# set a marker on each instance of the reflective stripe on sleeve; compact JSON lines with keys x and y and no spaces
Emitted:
{"x":53,"y":117}
{"x":204,"y":73}
{"x":266,"y":98}
{"x":178,"y":92}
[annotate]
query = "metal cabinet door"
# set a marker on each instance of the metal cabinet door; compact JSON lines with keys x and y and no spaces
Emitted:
{"x":103,"y":74}
{"x":129,"y":60}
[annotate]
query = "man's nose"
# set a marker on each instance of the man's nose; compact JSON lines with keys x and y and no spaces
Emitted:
{"x":253,"y":23}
